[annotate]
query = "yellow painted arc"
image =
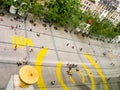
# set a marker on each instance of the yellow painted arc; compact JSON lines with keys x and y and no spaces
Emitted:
{"x":82,"y":75}
{"x":38,"y":63}
{"x":71,"y":79}
{"x":90,"y":75}
{"x":98,"y":70}
{"x":60,"y":79}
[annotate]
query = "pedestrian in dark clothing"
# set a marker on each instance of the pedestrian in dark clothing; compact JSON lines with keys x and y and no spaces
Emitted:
{"x":67,"y":44}
{"x":15,"y":48}
{"x":31,"y":29}
{"x":108,"y":79}
{"x":31,"y":50}
{"x":72,"y":47}
{"x":112,"y":64}
{"x":77,"y":69}
{"x":80,"y":49}
{"x":18,"y":63}
{"x":42,"y":47}
{"x":104,"y":53}
{"x":76,"y":65}
{"x":67,"y":65}
{"x":70,"y":68}
{"x":25,"y":62}
{"x":52,"y":82}
{"x":38,"y":34}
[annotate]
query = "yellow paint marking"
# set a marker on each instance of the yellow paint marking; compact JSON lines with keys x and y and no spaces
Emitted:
{"x":21,"y":42}
{"x":13,"y":41}
{"x":98,"y":70}
{"x":58,"y":72}
{"x":28,"y":42}
{"x":90,"y":75}
{"x":82,"y":75}
{"x":71,"y":79}
{"x":38,"y":64}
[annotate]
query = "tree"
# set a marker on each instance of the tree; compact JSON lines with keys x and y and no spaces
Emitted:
{"x":5,"y":3}
{"x":102,"y":27}
{"x":117,"y":28}
{"x":36,"y":10}
{"x":86,"y":16}
{"x":63,"y":12}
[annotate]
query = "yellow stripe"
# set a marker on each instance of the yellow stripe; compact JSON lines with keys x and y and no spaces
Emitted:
{"x":17,"y":41}
{"x":90,"y":75}
{"x":13,"y":41}
{"x":58,"y":72}
{"x":71,"y":79}
{"x":38,"y":64}
{"x":82,"y":75}
{"x":98,"y":70}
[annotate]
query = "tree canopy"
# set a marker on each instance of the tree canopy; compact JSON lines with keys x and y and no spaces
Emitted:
{"x":63,"y":12}
{"x":67,"y":13}
{"x":104,"y":28}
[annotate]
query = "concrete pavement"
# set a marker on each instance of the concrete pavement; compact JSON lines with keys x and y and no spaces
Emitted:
{"x":62,"y":46}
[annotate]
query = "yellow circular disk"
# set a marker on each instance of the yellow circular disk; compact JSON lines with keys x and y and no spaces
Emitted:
{"x":28,"y":74}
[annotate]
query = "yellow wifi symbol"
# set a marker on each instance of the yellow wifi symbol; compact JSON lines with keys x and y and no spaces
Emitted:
{"x":41,"y":83}
{"x":20,"y":42}
{"x":92,"y":61}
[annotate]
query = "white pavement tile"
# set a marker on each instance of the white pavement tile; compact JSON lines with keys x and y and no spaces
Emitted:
{"x":95,"y":42}
{"x":8,"y":20}
{"x":70,"y":58}
{"x":98,"y":51}
{"x":61,"y":44}
{"x":84,"y":47}
{"x":7,"y":53}
{"x":50,"y":76}
{"x":38,"y":27}
{"x":42,"y":40}
{"x":106,"y":45}
{"x":60,"y":32}
{"x":6,"y":33}
{"x":79,"y":38}
{"x":50,"y":57}
{"x":103,"y":61}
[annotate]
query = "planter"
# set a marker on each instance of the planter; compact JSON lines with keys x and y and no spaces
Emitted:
{"x":21,"y":12}
{"x":23,"y":9}
{"x":13,"y":9}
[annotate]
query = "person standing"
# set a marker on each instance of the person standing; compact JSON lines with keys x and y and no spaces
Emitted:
{"x":52,"y":82}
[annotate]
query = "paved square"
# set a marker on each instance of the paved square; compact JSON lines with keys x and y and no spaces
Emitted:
{"x":63,"y":46}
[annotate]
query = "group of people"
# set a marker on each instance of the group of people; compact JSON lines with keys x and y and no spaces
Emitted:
{"x":70,"y":66}
{"x":71,"y":46}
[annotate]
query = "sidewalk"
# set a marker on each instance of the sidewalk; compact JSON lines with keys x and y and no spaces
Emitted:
{"x":62,"y":46}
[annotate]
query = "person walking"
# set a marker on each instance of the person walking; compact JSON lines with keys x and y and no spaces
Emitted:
{"x":15,"y":47}
{"x":80,"y":49}
{"x":52,"y":82}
